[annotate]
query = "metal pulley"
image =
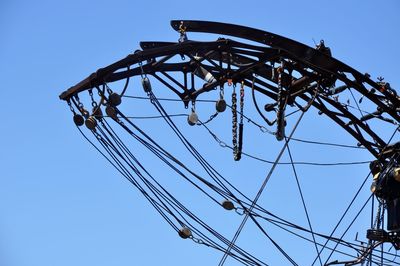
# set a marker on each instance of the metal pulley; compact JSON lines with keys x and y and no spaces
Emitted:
{"x":227,"y":205}
{"x":237,"y":139}
{"x":91,"y":123}
{"x":281,"y":106}
{"x":193,"y":118}
{"x":111,"y":112}
{"x":78,"y":120}
{"x":220,"y":105}
{"x":185,"y":232}
{"x":146,"y":84}
{"x":114,"y":99}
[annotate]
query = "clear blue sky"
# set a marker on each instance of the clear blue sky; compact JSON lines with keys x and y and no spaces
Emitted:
{"x":61,"y":204}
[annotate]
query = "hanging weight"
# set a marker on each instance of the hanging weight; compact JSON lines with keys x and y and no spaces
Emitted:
{"x":182,"y":37}
{"x":281,"y":105}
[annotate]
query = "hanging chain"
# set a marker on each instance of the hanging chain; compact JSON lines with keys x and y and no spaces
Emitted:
{"x":80,"y":104}
{"x":234,"y":122}
{"x":81,"y":108}
{"x":221,"y":92}
{"x":71,"y":107}
{"x":209,"y":119}
{"x":281,"y":101}
{"x":96,"y":110}
{"x":100,"y":93}
{"x":193,"y":106}
{"x":380,"y":214}
{"x":237,"y":140}
{"x":109,"y":90}
{"x":238,"y":154}
{"x":378,"y":218}
{"x":94,"y":104}
{"x":273,"y":70}
{"x":142,"y":73}
{"x":182,"y":31}
{"x":241,"y":103}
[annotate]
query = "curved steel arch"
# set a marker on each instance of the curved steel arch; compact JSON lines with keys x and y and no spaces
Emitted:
{"x":302,"y":52}
{"x":231,"y":61}
{"x":311,"y":63}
